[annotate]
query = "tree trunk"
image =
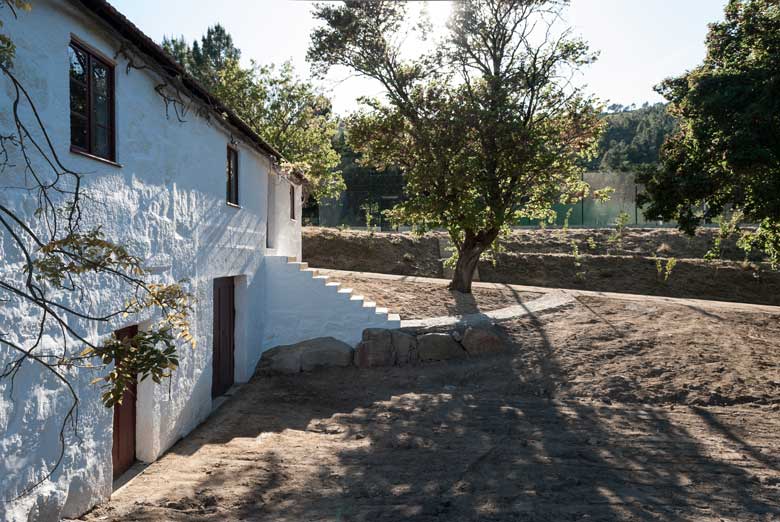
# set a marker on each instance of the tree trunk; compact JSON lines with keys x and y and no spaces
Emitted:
{"x":468,"y":257}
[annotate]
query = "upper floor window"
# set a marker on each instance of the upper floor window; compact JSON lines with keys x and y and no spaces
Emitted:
{"x":292,"y":201}
{"x":91,"y":103}
{"x":232,"y":175}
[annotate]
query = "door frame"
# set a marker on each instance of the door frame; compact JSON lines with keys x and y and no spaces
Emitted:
{"x":223,"y":369}
{"x":125,"y":414}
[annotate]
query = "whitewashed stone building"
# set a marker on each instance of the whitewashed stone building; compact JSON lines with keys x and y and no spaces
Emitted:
{"x":164,"y":189}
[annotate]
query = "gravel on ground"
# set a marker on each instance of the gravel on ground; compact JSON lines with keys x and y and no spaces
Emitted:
{"x":609,"y":409}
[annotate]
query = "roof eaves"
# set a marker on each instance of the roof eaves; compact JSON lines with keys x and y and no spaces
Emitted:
{"x":119,"y":22}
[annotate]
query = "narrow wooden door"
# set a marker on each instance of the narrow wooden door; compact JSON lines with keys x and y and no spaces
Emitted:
{"x":223,"y":363}
{"x":123,"y":449}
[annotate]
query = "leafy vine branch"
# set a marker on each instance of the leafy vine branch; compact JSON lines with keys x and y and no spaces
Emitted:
{"x":53,"y":259}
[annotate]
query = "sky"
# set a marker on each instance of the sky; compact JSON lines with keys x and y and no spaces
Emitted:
{"x":641,"y":42}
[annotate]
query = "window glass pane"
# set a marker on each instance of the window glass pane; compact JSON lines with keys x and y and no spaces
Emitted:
{"x":229,"y":178}
{"x":78,"y":64}
{"x":78,"y":130}
{"x":78,"y":97}
{"x":91,"y":103}
{"x":232,"y":175}
{"x":100,"y":95}
{"x":102,"y":142}
{"x":235,"y":177}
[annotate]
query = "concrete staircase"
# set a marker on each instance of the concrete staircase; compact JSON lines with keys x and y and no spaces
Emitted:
{"x":370,"y":307}
{"x":303,"y":304}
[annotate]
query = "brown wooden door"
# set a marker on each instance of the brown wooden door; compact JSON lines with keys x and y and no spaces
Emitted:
{"x":223,"y":362}
{"x":123,"y":450}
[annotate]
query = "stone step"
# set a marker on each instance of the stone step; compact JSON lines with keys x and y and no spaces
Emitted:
{"x":291,"y":259}
{"x":345,"y":290}
{"x":356,"y":298}
{"x":369,"y":304}
{"x":321,"y":277}
{"x":381,"y":310}
{"x":334,"y":284}
{"x":302,"y":265}
{"x":393,"y":317}
{"x":312,"y":271}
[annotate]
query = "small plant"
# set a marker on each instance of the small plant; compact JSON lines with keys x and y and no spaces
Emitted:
{"x":579,"y":271}
{"x":727,"y":228}
{"x":664,"y":270}
{"x":616,"y":238}
{"x":565,"y":227}
{"x":591,"y":243}
{"x":369,"y":208}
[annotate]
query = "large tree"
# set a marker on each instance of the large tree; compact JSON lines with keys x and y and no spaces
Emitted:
{"x":633,"y":137}
{"x":487,"y":127}
{"x":287,"y":111}
{"x":726,"y":155}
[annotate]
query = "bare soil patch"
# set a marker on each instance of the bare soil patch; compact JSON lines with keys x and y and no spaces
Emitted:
{"x":607,"y":410}
{"x":412,"y":300}
{"x":645,"y":242}
{"x":546,"y":258}
{"x":386,"y":253}
{"x":690,"y":278}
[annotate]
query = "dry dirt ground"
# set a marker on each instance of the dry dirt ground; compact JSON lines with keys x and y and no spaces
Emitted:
{"x":414,"y":300}
{"x":546,"y":258}
{"x":606,"y":410}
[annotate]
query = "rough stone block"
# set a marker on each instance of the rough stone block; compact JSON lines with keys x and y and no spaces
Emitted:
{"x":282,"y":359}
{"x":481,"y":341}
{"x":324,"y":352}
{"x":439,"y":347}
{"x":376,"y":349}
{"x":405,"y":346}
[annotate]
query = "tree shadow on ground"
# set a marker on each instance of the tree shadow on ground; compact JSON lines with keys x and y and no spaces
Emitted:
{"x":483,"y":439}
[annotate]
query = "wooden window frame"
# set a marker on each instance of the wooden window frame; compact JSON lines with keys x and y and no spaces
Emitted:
{"x":232,"y":193}
{"x":292,"y":201}
{"x":95,"y":56}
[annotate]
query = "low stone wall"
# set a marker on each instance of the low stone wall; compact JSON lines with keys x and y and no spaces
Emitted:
{"x":384,"y":347}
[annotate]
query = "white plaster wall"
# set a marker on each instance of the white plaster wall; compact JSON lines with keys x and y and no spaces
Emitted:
{"x":285,"y":232}
{"x":167,"y":203}
{"x":299,"y":307}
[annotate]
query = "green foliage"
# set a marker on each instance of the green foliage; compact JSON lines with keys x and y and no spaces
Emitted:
{"x":616,"y":238}
{"x":7,"y":47}
{"x":286,"y":110}
{"x":484,"y":131}
{"x":766,"y":239}
{"x":728,"y":228}
{"x":79,"y":253}
{"x":370,"y":209}
{"x":207,"y":58}
{"x":565,"y":227}
{"x":726,"y":155}
{"x":579,"y":271}
{"x":61,"y":262}
{"x":632,"y":137}
{"x":664,"y":270}
{"x":146,"y":355}
{"x":603,"y":195}
{"x":363,"y":182}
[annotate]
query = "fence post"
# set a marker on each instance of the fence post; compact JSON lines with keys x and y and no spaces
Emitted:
{"x":636,"y":206}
